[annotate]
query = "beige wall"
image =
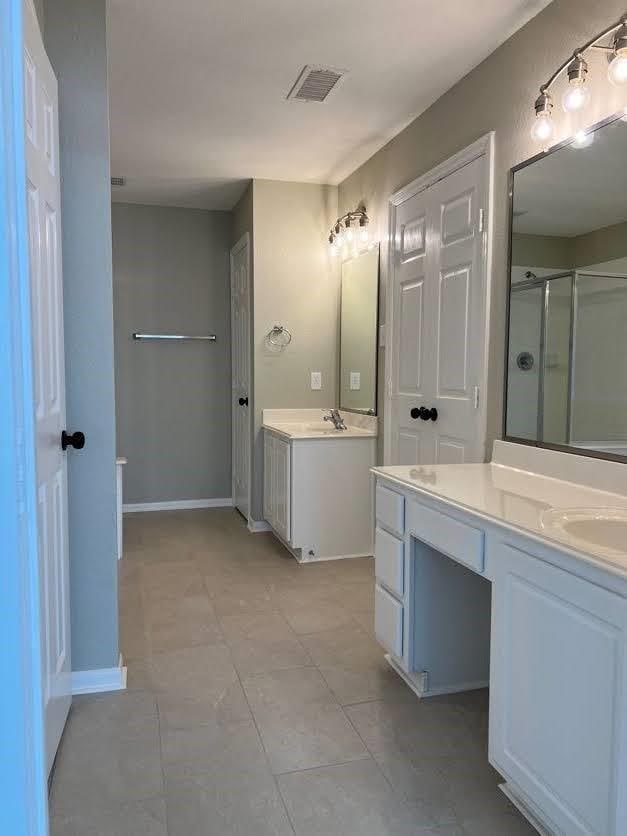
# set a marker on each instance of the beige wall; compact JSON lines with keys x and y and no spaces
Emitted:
{"x":296,"y":284}
{"x":498,"y":95}
{"x":542,"y":250}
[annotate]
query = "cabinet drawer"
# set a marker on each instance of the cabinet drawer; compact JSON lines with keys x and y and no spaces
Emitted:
{"x":389,"y":560}
{"x":388,"y":621}
{"x":391,"y":509}
{"x":456,"y":539}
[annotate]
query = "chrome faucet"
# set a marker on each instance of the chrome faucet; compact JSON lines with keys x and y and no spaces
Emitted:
{"x":338,"y":421}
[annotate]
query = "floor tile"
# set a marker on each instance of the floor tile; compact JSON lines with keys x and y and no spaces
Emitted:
{"x":301,"y":724}
{"x":315,"y":619}
{"x":354,"y":667}
{"x":428,"y":727}
{"x":352,"y":798}
{"x":227,"y":748}
{"x":204,"y":805}
{"x":215,"y":622}
{"x":239,"y":597}
{"x":355,"y":597}
{"x":198,"y":686}
{"x":262,"y":642}
{"x":110,"y":754}
{"x":138,"y":818}
{"x":174,"y":624}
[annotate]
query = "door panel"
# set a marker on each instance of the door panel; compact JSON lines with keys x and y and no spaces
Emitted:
{"x":459,"y":321}
{"x":453,"y":333}
{"x":43,"y":206}
{"x":240,"y":375}
{"x":438,"y":334}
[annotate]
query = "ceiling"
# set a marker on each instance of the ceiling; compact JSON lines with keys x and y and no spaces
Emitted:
{"x":198,"y":87}
{"x":575,"y":190}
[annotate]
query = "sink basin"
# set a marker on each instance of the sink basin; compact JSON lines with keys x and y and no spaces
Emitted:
{"x":603,"y":529}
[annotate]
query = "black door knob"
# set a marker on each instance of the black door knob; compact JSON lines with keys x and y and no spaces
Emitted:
{"x":428,"y":414}
{"x":243,"y":401}
{"x":76,"y":440}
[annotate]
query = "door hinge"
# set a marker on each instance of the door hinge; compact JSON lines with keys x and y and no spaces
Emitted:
{"x":482,"y":220}
{"x":476,"y":397}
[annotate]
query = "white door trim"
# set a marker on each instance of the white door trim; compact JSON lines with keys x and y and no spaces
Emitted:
{"x":484,"y":146}
{"x":23,"y":779}
{"x":244,"y":241}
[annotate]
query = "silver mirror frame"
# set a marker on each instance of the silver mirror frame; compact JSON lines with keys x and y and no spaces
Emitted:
{"x":563,"y":448}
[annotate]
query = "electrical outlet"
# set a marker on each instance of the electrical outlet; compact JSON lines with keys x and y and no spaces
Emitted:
{"x":355,"y":381}
{"x":316,"y":380}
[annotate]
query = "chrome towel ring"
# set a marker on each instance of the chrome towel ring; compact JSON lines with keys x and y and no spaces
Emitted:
{"x":279,"y":336}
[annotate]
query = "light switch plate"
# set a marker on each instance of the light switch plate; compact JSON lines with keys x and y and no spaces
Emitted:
{"x":316,"y":380}
{"x":355,"y":381}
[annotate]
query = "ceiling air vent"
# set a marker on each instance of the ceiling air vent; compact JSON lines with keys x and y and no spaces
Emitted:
{"x":315,"y":83}
{"x":118,"y":181}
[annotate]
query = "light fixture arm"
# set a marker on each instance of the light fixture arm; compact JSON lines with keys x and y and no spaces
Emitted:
{"x":358,"y":215}
{"x":593,"y":43}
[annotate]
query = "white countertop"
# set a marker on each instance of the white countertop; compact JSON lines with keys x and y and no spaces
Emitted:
{"x":521,"y":499}
{"x":310,"y":424}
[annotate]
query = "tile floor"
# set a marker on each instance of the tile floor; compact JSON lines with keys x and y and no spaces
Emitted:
{"x":259,"y":703}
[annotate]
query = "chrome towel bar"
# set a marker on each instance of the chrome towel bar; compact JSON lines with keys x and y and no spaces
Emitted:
{"x":207,"y":338}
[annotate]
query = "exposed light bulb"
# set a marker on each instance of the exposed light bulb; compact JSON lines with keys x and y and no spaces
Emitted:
{"x":576,"y":96}
{"x":543,"y":128}
{"x":348,"y":235}
{"x":617,"y":71}
{"x":583,"y":139}
{"x":363,"y":234}
{"x":334,"y":247}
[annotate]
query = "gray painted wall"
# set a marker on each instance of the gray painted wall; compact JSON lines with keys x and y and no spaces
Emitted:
{"x":171,"y":275}
{"x":76,"y":44}
{"x":498,"y":95}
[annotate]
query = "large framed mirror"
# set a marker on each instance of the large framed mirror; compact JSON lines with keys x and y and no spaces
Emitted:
{"x":566,"y":384}
{"x":359,"y":314}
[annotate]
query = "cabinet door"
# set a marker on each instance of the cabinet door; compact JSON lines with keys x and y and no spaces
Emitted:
{"x":282,"y":488}
{"x":268,"y":480}
{"x":556,"y":691}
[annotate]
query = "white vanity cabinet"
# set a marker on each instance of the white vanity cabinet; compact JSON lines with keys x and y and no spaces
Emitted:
{"x":317,"y":490}
{"x":558,"y":697}
{"x":473,"y":588}
{"x":277,"y":484}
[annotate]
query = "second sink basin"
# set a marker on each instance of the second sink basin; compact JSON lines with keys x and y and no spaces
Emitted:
{"x":603,"y":529}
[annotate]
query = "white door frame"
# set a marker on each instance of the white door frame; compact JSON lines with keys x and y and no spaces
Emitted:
{"x":244,"y":241}
{"x":484,"y":146}
{"x":23,"y":780}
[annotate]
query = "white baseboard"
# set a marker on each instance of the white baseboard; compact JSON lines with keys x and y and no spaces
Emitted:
{"x":419,"y":682}
{"x":258,"y":526}
{"x":177,"y":505}
{"x":99,"y":680}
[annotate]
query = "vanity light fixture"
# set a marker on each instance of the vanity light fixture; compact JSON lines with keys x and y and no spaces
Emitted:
{"x":577,"y":94}
{"x":344,"y":232}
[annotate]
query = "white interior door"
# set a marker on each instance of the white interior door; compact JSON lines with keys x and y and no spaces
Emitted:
{"x":240,"y":365}
{"x":44,"y":223}
{"x":438,"y":317}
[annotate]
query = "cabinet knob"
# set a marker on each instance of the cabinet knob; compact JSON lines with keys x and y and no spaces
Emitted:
{"x":243,"y":401}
